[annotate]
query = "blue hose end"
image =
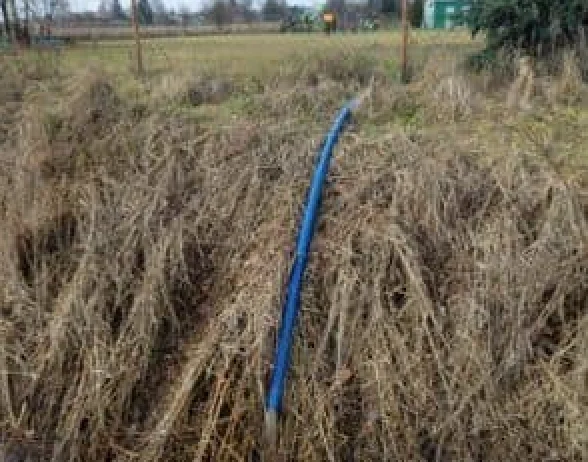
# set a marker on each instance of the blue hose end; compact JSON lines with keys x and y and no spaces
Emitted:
{"x":353,"y":104}
{"x":271,"y":431}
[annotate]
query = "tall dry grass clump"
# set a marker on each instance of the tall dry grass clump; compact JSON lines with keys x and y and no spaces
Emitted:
{"x":444,"y":90}
{"x":192,"y":91}
{"x":538,"y":80}
{"x":145,"y":259}
{"x":567,"y":86}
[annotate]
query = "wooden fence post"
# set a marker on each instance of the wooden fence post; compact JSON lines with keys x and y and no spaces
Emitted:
{"x":404,"y":41}
{"x":135,"y":19}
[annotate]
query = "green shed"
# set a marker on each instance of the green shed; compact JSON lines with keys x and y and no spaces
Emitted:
{"x":440,"y":14}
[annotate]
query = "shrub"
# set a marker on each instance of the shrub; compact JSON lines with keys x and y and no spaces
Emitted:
{"x":535,"y":26}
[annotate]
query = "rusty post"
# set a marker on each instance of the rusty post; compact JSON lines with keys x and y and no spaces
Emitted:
{"x":404,"y":41}
{"x":135,"y":20}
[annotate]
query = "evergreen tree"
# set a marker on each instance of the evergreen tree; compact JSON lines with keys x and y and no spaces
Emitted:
{"x":536,"y":26}
{"x":416,"y":13}
{"x":388,"y":7}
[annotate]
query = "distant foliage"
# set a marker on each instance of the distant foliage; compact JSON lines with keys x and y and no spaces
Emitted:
{"x":535,"y":26}
{"x":117,"y":11}
{"x":416,"y":13}
{"x":145,"y":12}
{"x":160,"y":13}
{"x":388,"y":6}
{"x":220,"y":13}
{"x":249,"y":14}
{"x":272,"y":10}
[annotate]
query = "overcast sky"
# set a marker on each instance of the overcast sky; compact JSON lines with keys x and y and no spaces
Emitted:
{"x":195,"y":5}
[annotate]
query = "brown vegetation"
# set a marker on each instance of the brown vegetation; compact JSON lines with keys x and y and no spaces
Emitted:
{"x":145,"y":254}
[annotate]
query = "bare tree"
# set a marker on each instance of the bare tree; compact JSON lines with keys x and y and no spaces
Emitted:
{"x":338,"y":6}
{"x":59,"y":8}
{"x":184,"y":11}
{"x":248,"y":12}
{"x":15,"y":27}
{"x":160,"y":13}
{"x":116,"y":10}
{"x":5,"y":17}
{"x":104,"y":8}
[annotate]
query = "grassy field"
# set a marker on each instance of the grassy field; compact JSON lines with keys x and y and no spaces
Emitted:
{"x":249,"y":54}
{"x":147,"y":226}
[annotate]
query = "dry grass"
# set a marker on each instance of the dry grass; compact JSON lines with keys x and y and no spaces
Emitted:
{"x":145,"y":255}
{"x":445,"y":89}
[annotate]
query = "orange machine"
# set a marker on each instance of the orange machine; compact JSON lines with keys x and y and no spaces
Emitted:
{"x":330,"y":21}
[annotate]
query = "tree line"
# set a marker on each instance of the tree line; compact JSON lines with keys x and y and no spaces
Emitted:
{"x":17,"y":13}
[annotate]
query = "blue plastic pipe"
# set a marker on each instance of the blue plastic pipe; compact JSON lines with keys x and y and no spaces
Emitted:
{"x":292,"y":302}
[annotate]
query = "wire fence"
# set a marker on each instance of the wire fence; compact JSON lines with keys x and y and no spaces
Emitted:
{"x":241,"y":49}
